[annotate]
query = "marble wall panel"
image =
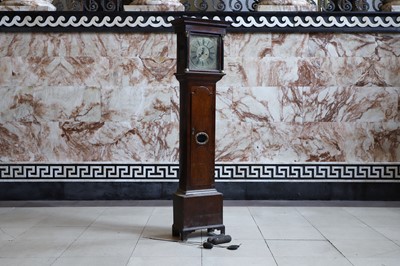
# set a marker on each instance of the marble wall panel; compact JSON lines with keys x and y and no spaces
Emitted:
{"x":94,"y":141}
{"x":31,"y":142}
{"x":142,"y":103}
{"x":18,"y":104}
{"x":60,"y":45}
{"x":341,"y":71}
{"x":43,"y":104}
{"x":276,"y":142}
{"x":264,"y":72}
{"x":388,"y":45}
{"x":145,"y":45}
{"x":373,"y":142}
{"x":233,"y":141}
{"x":122,"y":103}
{"x":224,"y":101}
{"x":353,"y":45}
{"x":148,"y":45}
{"x":297,"y":71}
{"x":154,"y":141}
{"x":5,"y":44}
{"x":267,"y":104}
{"x":290,"y":45}
{"x":6,"y":71}
{"x":398,"y":104}
{"x":58,"y":105}
{"x":148,"y":71}
{"x":246,"y":45}
{"x":349,"y":45}
{"x":77,"y":97}
{"x":65,"y":71}
{"x":326,"y":142}
{"x":350,"y":104}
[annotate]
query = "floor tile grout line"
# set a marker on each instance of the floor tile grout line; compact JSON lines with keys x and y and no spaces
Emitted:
{"x":372,"y":228}
{"x":74,"y":241}
{"x":341,"y":253}
{"x":141,"y":234}
{"x":265,"y":240}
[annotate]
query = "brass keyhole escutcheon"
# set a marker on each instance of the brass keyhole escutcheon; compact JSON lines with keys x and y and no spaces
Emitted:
{"x":202,"y":138}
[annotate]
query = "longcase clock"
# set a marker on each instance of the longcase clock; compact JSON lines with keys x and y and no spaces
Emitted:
{"x":197,"y":204}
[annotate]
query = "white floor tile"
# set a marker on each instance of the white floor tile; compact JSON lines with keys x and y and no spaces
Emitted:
{"x":248,"y":248}
{"x":237,"y":216}
{"x":329,"y":216}
{"x":377,"y":217}
{"x":112,"y":232}
{"x":160,"y":219}
{"x":28,"y":248}
{"x":350,"y":232}
{"x":19,"y":219}
{"x":26,"y":261}
{"x":361,"y":248}
{"x":10,"y":233}
{"x":372,"y":211}
{"x":302,"y":248}
{"x":381,"y":221}
{"x":129,"y":211}
{"x":390,"y":232}
{"x":272,"y":219}
{"x":290,"y":232}
{"x":6,"y":209}
{"x":158,"y":248}
{"x":272,"y":210}
{"x":164,"y":261}
{"x":165,"y":232}
{"x":312,"y":261}
{"x":239,"y":261}
{"x":121,"y":220}
{"x":52,"y":232}
{"x":101,"y":248}
{"x":245,"y":232}
{"x":375,"y":261}
{"x":243,"y":211}
{"x":237,"y":219}
{"x":78,"y":212}
{"x":296,"y":236}
{"x":4,"y":242}
{"x":71,"y":216}
{"x":90,"y":261}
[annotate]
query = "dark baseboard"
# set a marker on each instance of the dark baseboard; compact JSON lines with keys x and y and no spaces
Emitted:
{"x":357,"y":191}
{"x":311,"y":191}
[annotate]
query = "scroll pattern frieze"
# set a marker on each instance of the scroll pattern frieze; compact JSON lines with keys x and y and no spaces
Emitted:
{"x":149,"y":22}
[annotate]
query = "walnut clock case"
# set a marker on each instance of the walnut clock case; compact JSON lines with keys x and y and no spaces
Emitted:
{"x":196,"y":203}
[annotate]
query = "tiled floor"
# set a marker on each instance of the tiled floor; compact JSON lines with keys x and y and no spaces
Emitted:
{"x":269,"y":235}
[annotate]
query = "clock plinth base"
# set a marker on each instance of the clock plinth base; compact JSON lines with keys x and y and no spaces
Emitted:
{"x":196,"y":210}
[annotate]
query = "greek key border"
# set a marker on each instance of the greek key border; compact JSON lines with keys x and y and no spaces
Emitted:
{"x":240,"y":22}
{"x":223,"y":172}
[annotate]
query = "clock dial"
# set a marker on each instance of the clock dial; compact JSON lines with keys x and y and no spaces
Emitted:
{"x":203,"y":52}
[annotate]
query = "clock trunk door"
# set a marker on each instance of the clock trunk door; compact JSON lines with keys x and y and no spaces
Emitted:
{"x":202,"y":136}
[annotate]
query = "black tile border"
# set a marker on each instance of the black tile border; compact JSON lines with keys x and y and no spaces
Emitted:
{"x":60,"y":21}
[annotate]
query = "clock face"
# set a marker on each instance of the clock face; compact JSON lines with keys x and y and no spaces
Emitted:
{"x":203,"y":52}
